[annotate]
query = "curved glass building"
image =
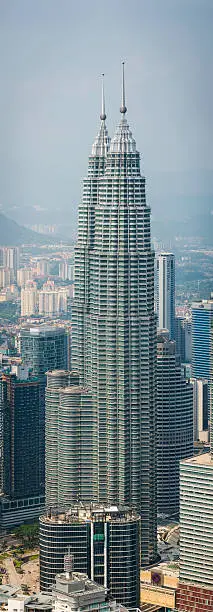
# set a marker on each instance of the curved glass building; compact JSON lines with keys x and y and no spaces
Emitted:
{"x":44,"y":347}
{"x":104,"y":543}
{"x":174,"y":423}
{"x":56,"y":380}
{"x":70,"y":448}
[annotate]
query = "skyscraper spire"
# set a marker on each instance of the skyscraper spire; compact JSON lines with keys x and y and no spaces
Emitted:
{"x":123,"y":107}
{"x":114,"y":328}
{"x":103,"y":114}
{"x":102,"y":141}
{"x":123,"y":141}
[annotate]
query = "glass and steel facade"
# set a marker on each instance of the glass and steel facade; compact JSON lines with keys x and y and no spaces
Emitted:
{"x":43,"y":347}
{"x":20,"y":436}
{"x":114,"y":326}
{"x":166,"y":292}
{"x":202,"y":319}
{"x":104,"y":543}
{"x":70,"y":440}
{"x":56,"y":380}
{"x":174,"y":424}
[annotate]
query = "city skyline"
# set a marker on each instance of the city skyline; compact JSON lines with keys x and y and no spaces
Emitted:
{"x":106,"y":331}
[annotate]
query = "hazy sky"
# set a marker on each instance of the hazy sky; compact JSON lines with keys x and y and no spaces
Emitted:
{"x":52,"y":53}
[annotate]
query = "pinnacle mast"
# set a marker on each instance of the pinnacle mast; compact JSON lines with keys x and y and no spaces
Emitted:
{"x":123,"y":107}
{"x":101,"y":144}
{"x":103,"y":113}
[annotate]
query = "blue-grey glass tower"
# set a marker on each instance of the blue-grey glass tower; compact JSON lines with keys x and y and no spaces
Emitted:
{"x":114,"y":326}
{"x":20,"y":439}
{"x":43,"y":347}
{"x":174,"y":424}
{"x":166,"y":292}
{"x":202,"y":320}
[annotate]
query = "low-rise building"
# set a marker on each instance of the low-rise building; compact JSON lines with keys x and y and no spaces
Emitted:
{"x":158,"y":586}
{"x":74,"y":592}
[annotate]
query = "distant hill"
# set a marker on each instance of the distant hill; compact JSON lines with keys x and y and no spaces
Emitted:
{"x":13,"y":234}
{"x":197,"y":226}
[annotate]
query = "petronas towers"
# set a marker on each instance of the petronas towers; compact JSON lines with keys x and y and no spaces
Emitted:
{"x":114,"y":328}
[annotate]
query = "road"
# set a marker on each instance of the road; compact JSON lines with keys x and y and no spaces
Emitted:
{"x":13,"y":577}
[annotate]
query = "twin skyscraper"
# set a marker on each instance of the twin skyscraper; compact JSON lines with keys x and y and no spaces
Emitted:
{"x":114,"y":335}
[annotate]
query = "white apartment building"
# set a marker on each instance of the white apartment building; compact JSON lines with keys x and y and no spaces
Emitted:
{"x":29,"y":299}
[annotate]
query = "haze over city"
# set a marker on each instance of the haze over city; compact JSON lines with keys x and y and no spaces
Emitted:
{"x":52,"y":56}
{"x":106,"y":306}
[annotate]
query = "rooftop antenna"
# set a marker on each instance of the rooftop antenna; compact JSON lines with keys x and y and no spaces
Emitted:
{"x":103,"y":113}
{"x":68,"y":564}
{"x":123,"y":107}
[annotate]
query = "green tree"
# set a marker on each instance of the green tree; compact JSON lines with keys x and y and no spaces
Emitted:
{"x":28,"y":534}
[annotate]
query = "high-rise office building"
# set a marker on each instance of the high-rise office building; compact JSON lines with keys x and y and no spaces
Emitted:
{"x":114,"y":325}
{"x":183,"y":338}
{"x":56,"y":380}
{"x":20,"y":431}
{"x":211,"y":392}
{"x":200,"y":403}
{"x":104,"y":543}
{"x":196,"y":535}
{"x":166,"y":292}
{"x":174,"y":423}
{"x":202,"y":319}
{"x":44,"y":347}
{"x":70,"y":440}
{"x":195,"y":591}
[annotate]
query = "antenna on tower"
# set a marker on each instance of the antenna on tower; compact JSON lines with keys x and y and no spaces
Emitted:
{"x":68,"y":564}
{"x":103,"y":113}
{"x":123,"y":107}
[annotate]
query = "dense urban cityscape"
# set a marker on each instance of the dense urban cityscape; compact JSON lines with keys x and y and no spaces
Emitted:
{"x":106,"y":397}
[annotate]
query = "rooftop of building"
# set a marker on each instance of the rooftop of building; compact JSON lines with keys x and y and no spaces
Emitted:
{"x":166,"y":254}
{"x":58,"y":373}
{"x":79,"y":583}
{"x":6,"y":374}
{"x":40,"y":600}
{"x":205,"y":459}
{"x":164,"y":344}
{"x":8,"y":590}
{"x":81,"y":513}
{"x":203,"y":304}
{"x":169,"y":568}
{"x":41,"y":330}
{"x":76,"y":588}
